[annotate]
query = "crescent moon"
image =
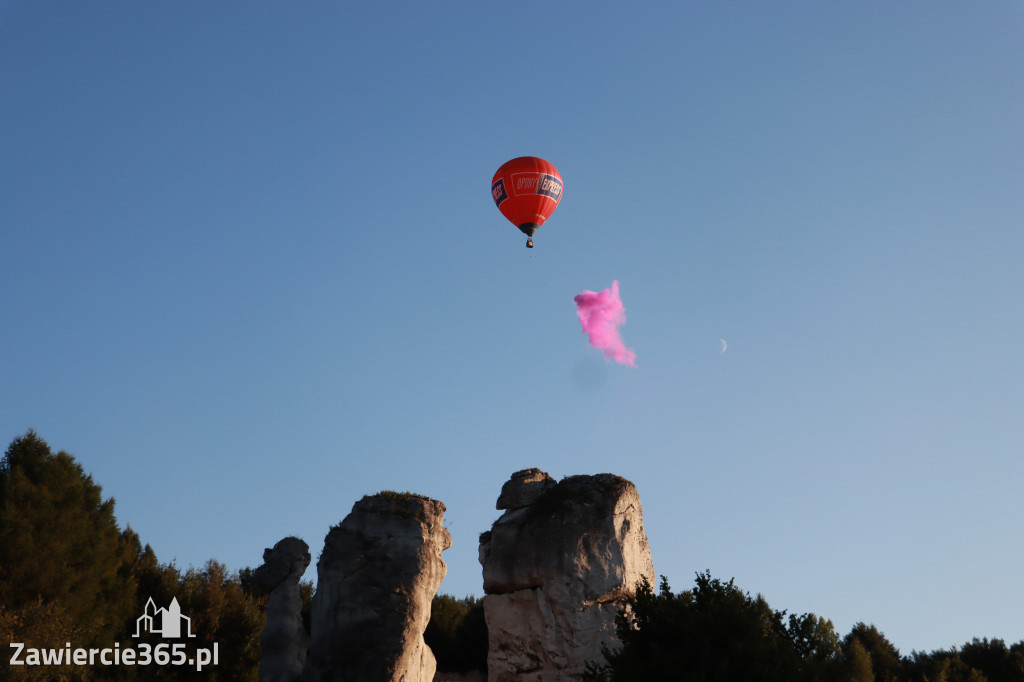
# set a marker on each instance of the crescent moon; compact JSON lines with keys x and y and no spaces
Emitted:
{"x":724,"y":345}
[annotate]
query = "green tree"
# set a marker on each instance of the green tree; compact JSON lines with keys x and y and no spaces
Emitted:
{"x":857,"y":663}
{"x":1017,"y":660}
{"x":817,"y":647}
{"x":221,"y":612}
{"x":69,"y":575}
{"x":885,"y":658}
{"x":39,"y":622}
{"x":992,"y":657}
{"x":716,"y":632}
{"x":457,"y":634}
{"x":941,"y":666}
{"x":62,"y":549}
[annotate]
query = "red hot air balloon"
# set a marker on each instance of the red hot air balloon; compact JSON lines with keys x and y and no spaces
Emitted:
{"x":527,"y":191}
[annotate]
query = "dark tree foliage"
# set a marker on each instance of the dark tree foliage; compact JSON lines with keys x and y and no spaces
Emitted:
{"x":977,"y":661}
{"x":716,"y":633}
{"x":995,"y":660}
{"x":856,"y":663}
{"x":885,"y":658}
{"x":220,"y":613}
{"x":457,"y":634}
{"x":62,"y":550}
{"x":69,"y":575}
{"x":939,"y":666}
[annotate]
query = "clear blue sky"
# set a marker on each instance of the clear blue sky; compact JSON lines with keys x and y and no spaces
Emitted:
{"x":251,"y":271}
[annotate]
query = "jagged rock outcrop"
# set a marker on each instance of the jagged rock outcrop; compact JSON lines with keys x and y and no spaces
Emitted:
{"x":524,"y":488}
{"x":284,"y":640}
{"x":557,"y":566}
{"x":377,"y":575}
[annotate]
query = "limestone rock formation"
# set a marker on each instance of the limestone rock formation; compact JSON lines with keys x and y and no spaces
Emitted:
{"x":524,"y":488}
{"x":377,"y":575}
{"x":284,"y":640}
{"x":557,"y":566}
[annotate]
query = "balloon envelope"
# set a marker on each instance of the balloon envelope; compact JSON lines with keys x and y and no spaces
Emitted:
{"x":527,"y":190}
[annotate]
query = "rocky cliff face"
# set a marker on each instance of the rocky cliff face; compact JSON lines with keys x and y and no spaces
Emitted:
{"x":378,"y":573}
{"x":284,"y":640}
{"x":557,"y":566}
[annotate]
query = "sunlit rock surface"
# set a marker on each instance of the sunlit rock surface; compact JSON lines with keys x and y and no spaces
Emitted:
{"x":524,"y":488}
{"x":378,"y":573}
{"x":557,"y":566}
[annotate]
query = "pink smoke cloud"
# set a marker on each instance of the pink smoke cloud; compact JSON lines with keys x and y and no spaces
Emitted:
{"x":601,"y":313}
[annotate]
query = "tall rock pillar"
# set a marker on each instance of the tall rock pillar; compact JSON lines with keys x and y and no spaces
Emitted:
{"x":376,"y":578}
{"x":284,"y":641}
{"x":557,"y":567}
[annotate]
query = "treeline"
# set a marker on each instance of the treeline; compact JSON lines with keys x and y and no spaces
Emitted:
{"x":70,"y":578}
{"x":715,"y":632}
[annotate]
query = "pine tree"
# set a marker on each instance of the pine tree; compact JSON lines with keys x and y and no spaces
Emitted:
{"x":61,"y":547}
{"x":885,"y":658}
{"x":857,"y":663}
